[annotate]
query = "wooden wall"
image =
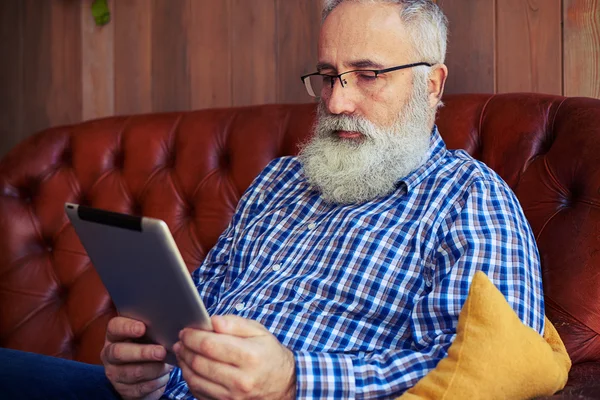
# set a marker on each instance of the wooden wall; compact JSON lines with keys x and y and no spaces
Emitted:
{"x":155,"y":55}
{"x":547,"y":46}
{"x":163,"y":55}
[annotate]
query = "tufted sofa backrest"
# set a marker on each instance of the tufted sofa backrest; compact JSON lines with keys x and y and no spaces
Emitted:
{"x":191,"y":168}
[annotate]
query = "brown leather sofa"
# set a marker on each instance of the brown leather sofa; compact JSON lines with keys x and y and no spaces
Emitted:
{"x":191,"y":168}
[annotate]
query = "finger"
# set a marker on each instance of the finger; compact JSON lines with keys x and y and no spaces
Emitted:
{"x":238,"y":326}
{"x":120,"y":329}
{"x":211,"y":370}
{"x":218,"y":347}
{"x":124,"y":352}
{"x":199,"y":385}
{"x":137,"y":373}
{"x":154,"y":389}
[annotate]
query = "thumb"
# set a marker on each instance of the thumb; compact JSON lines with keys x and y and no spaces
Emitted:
{"x":238,"y":326}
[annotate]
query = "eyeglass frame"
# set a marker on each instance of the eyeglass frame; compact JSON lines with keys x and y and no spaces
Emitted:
{"x":375,"y":71}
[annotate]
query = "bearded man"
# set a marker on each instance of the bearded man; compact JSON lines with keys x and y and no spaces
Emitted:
{"x":343,"y":270}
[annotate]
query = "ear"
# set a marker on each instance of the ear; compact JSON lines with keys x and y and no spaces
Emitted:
{"x":437,"y":80}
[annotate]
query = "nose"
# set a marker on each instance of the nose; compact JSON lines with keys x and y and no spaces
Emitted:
{"x":341,"y":100}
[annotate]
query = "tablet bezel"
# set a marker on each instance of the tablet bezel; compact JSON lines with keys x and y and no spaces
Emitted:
{"x":133,"y":255}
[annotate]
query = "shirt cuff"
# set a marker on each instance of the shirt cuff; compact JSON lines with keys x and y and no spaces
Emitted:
{"x":324,"y":376}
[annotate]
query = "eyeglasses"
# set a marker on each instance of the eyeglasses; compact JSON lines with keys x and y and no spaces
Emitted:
{"x":321,"y":85}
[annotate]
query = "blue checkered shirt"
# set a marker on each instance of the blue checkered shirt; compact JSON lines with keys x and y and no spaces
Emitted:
{"x":367,"y":296}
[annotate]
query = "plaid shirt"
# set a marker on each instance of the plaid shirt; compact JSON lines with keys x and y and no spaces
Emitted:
{"x":367,"y":296}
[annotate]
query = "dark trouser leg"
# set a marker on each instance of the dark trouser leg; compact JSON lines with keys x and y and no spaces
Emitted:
{"x":33,"y":376}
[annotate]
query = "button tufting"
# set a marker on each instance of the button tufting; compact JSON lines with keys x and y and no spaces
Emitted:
{"x":574,"y":194}
{"x":191,"y":211}
{"x":75,"y":343}
{"x":170,"y":161}
{"x":137,"y":209}
{"x":119,"y":160}
{"x":48,"y":243}
{"x":62,"y":293}
{"x":28,"y":192}
{"x":224,"y":160}
{"x":67,"y":157}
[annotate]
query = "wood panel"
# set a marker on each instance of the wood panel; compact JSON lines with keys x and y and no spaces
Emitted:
{"x":11,"y":98}
{"x":64,"y":100}
{"x":132,"y":21}
{"x":209,"y":53}
{"x":298,"y":24}
{"x":529,"y":48}
{"x":582,"y":48}
{"x":471,"y":56}
{"x":98,"y":65}
{"x":51,"y":66}
{"x":161,"y":55}
{"x":170,"y":73}
{"x":253,"y":52}
{"x":36,"y":74}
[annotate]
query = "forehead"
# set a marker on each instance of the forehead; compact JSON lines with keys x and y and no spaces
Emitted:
{"x":364,"y":31}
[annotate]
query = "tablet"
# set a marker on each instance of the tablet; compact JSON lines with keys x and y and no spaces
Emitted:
{"x":143,"y":271}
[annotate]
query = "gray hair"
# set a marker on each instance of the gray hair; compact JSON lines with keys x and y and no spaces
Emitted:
{"x":429,"y":25}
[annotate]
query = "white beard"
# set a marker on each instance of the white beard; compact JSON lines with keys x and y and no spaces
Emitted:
{"x":347,"y":171}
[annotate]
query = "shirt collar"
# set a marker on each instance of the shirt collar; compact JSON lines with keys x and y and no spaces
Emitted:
{"x":437,"y":150}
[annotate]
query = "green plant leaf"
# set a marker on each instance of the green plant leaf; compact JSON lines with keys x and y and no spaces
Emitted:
{"x":100,"y":12}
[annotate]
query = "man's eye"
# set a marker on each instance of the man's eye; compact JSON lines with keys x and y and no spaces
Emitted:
{"x":366,"y":76}
{"x":327,"y":79}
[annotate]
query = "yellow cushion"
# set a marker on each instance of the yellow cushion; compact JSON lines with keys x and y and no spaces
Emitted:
{"x":495,"y":355}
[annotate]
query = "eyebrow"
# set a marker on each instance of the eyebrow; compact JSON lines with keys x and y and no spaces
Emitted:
{"x":366,"y":63}
{"x":321,"y":66}
{"x":358,"y":64}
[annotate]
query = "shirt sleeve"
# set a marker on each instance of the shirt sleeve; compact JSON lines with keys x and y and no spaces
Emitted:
{"x":490,"y":234}
{"x":373,"y":375}
{"x":485,"y":231}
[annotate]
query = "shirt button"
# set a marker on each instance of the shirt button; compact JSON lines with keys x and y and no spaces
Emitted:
{"x":240,"y":306}
{"x":312,"y":226}
{"x":276,"y":267}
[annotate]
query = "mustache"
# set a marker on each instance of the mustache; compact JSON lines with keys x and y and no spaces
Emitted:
{"x":328,"y":123}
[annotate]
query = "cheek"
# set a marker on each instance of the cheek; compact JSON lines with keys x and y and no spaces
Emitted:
{"x":383,"y":108}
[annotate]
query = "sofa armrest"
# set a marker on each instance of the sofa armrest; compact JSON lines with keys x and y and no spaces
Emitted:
{"x":586,"y":392}
{"x":584,"y":375}
{"x":583,"y":384}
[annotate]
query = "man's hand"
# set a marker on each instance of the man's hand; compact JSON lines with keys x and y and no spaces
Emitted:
{"x":137,"y":371}
{"x":241,"y":359}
